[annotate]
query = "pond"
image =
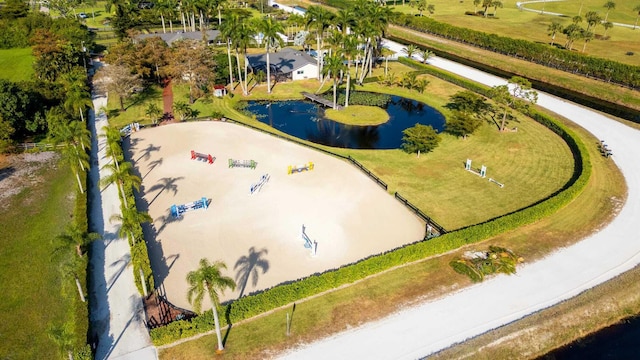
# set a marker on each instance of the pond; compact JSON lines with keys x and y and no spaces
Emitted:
{"x":305,"y":120}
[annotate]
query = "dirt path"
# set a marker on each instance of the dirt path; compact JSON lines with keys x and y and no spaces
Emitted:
{"x":167,"y":99}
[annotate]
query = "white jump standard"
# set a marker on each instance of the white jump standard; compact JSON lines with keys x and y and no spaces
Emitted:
{"x":178,"y":210}
{"x":311,"y":245}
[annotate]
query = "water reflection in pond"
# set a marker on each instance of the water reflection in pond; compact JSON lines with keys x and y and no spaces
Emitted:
{"x":305,"y":120}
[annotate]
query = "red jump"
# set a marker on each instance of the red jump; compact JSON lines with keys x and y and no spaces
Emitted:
{"x":200,"y":156}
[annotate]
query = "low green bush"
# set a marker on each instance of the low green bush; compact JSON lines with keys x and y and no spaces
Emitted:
{"x":361,"y":98}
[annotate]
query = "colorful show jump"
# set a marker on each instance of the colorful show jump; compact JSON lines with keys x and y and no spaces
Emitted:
{"x":299,"y":168}
{"x":204,"y":157}
{"x":251,"y":164}
{"x":178,"y":210}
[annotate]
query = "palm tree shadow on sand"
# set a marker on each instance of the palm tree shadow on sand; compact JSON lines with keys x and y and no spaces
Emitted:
{"x":247,"y":267}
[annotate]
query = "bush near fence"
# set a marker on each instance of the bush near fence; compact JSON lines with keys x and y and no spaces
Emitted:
{"x":285,"y":294}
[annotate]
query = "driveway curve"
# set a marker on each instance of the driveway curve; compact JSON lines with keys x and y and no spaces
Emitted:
{"x":432,"y":326}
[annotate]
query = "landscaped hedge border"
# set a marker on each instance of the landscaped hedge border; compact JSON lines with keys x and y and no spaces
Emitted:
{"x":284,"y":294}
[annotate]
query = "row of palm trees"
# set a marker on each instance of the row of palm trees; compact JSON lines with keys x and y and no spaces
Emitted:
{"x":353,"y":34}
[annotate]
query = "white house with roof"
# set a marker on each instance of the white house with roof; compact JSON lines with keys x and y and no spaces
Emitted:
{"x":287,"y":63}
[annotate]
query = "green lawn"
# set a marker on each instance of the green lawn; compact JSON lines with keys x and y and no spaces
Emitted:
{"x":16,"y":64}
{"x":32,"y":300}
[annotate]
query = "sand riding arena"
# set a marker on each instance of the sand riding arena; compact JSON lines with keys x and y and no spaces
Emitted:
{"x":342,"y":210}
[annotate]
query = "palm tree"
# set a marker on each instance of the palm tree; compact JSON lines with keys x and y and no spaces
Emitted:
{"x":486,"y":4}
{"x":344,"y":20}
{"x":410,"y":50}
{"x":153,"y":112}
{"x":270,"y":29}
{"x":334,"y":67}
{"x":318,"y":18}
{"x":609,"y":5}
{"x":586,"y":36}
{"x":593,"y":19}
{"x":349,"y":50}
{"x":553,"y":29}
{"x":130,"y":221}
{"x":426,"y":54}
{"x":475,"y":5}
{"x":113,"y":149}
{"x":637,"y":10}
{"x":77,"y":95}
{"x":209,"y":279}
{"x":78,"y":161}
{"x":121,"y":175}
{"x":607,"y":25}
{"x":496,"y":4}
{"x":76,"y":237}
{"x":228,"y":28}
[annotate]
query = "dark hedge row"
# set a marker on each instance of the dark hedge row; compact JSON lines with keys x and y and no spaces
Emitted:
{"x":577,"y":63}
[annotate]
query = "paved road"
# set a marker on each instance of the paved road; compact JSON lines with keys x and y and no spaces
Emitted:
{"x":117,"y":314}
{"x":432,"y":326}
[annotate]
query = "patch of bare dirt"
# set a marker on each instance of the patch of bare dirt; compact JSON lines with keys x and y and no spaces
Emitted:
{"x":18,"y":172}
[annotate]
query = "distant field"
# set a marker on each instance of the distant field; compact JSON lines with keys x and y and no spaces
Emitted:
{"x":16,"y":64}
{"x":515,"y":23}
{"x":623,"y":13}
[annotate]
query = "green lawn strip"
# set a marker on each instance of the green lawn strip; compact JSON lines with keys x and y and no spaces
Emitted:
{"x":358,"y":115}
{"x":17,"y":64}
{"x":35,"y":297}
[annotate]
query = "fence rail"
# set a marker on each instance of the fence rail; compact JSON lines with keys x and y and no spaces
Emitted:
{"x":432,"y":229}
{"x":39,"y":146}
{"x":366,"y":171}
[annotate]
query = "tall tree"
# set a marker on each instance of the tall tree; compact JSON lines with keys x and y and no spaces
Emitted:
{"x":113,"y":141}
{"x":334,"y":66}
{"x":636,"y":9}
{"x":118,"y":80}
{"x":350,"y":50}
{"x":122,"y":176}
{"x":587,"y":36}
{"x":607,"y":25}
{"x":553,"y":29}
{"x":573,"y":32}
{"x":130,"y":221}
{"x":78,"y":97}
{"x":593,"y":19}
{"x":462,"y":124}
{"x":609,"y":5}
{"x":420,"y":139}
{"x":77,"y":238}
{"x":191,"y":62}
{"x":319,"y":19}
{"x":270,"y":29}
{"x":228,"y":29}
{"x":516,"y":95}
{"x":208,"y":279}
